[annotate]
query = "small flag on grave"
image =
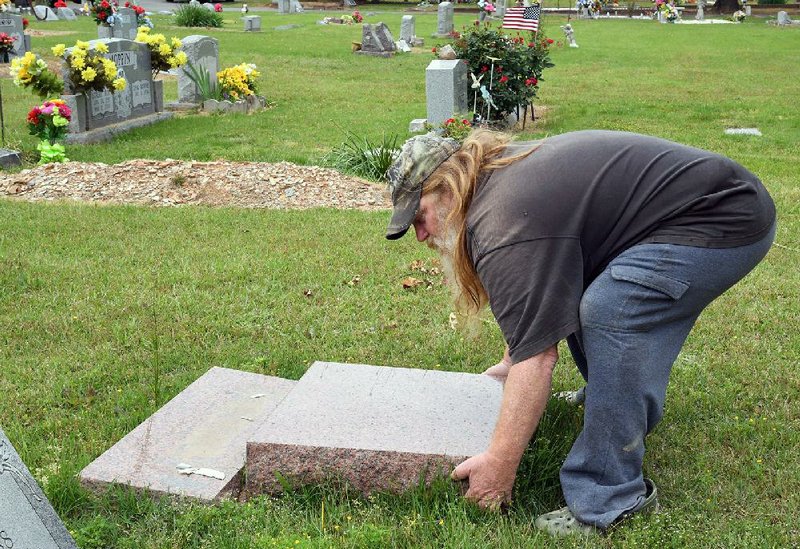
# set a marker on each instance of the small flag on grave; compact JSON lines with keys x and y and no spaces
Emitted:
{"x":523,"y":18}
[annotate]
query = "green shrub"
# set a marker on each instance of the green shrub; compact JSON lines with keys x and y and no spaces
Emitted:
{"x":363,"y":158}
{"x":197,"y":16}
{"x":514,"y":78}
{"x":771,"y":2}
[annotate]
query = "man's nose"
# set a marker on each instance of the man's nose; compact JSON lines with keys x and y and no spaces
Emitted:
{"x":422,"y":234}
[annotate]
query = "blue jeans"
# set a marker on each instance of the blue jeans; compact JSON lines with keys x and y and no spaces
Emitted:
{"x":635,"y":318}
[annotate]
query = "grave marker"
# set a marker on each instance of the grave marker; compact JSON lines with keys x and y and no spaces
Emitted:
{"x":407,"y":28}
{"x":377,"y":428}
{"x":11,"y":24}
{"x":209,"y":6}
{"x":67,"y":14}
{"x":203,"y":54}
{"x":45,"y":13}
{"x":284,"y":6}
{"x":252,"y":23}
{"x":445,"y":20}
{"x":26,"y":517}
{"x":124,"y":24}
{"x":377,"y":40}
{"x":446,"y":89}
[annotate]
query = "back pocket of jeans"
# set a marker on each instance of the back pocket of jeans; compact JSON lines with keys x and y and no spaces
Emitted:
{"x":644,"y":277}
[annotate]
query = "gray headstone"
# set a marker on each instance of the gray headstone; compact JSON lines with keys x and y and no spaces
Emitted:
{"x":295,"y":7}
{"x":700,"y":16}
{"x":252,"y":23}
{"x":194,"y":3}
{"x":67,"y":14}
{"x":407,"y":28}
{"x":203,"y":54}
{"x":283,"y":6}
{"x":377,"y":40}
{"x":26,"y":517}
{"x":11,"y":24}
{"x":9,"y":158}
{"x":105,"y":32}
{"x":136,"y":100}
{"x":783,"y":18}
{"x":445,"y":22}
{"x":209,"y":6}
{"x":45,"y":13}
{"x":125,"y":24}
{"x":445,"y":89}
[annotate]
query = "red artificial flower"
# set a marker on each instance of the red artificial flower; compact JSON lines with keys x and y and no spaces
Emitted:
{"x":499,"y":69}
{"x":433,"y":50}
{"x":484,"y":69}
{"x":532,"y":81}
{"x":25,"y":23}
{"x":33,"y":116}
{"x":531,"y":44}
{"x":504,"y":79}
{"x":465,"y":122}
{"x":60,"y":4}
{"x":101,"y":15}
{"x":217,"y":7}
{"x":449,"y":121}
{"x":549,"y":40}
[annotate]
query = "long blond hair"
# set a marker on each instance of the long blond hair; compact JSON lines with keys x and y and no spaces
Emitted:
{"x":458,"y":176}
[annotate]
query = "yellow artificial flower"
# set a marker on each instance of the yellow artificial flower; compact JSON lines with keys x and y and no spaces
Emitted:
{"x":144,"y":29}
{"x":119,"y":84}
{"x":182,"y":58}
{"x":172,"y":62}
{"x":88,"y":74}
{"x":81,"y":45}
{"x":164,"y":50}
{"x":58,"y":50}
{"x":159,"y":38}
{"x":141,"y":36}
{"x":109,"y":68}
{"x":78,"y":62}
{"x":176,"y":43}
{"x":100,"y":47}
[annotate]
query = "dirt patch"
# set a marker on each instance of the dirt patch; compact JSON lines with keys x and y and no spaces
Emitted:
{"x":174,"y":183}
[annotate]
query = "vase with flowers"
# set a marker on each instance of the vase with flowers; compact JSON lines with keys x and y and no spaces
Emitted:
{"x":6,"y":46}
{"x":49,"y":122}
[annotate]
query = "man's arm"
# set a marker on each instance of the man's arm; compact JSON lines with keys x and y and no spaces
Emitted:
{"x":527,"y":388}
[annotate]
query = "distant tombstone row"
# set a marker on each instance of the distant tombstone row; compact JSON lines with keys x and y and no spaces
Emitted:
{"x":445,"y":20}
{"x":26,"y":517}
{"x":11,"y":24}
{"x":141,"y":98}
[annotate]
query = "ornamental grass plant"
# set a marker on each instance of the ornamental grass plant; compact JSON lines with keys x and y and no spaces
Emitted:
{"x":196,"y":16}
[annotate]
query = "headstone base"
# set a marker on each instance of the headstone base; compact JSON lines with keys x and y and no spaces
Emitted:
{"x":375,"y":53}
{"x":108,"y":132}
{"x":180,"y":106}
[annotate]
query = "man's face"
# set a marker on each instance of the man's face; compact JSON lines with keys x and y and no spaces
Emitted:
{"x":430,"y":226}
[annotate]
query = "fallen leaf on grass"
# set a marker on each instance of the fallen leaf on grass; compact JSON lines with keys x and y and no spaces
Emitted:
{"x":355,"y":280}
{"x":411,"y":282}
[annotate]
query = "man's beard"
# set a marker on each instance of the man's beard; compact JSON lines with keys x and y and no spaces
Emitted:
{"x":445,"y":245}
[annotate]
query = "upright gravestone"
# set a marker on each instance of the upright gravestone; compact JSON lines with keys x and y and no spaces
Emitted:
{"x":377,"y":40}
{"x":209,"y":6}
{"x":783,"y":18}
{"x":11,"y":24}
{"x":700,"y":15}
{"x":283,"y":6}
{"x":295,"y":7}
{"x":44,"y":13}
{"x":125,"y":24}
{"x":252,"y":23}
{"x":445,"y":21}
{"x":103,"y":108}
{"x":66,"y":14}
{"x":26,"y":517}
{"x":407,"y":29}
{"x":445,"y":89}
{"x":203,"y":55}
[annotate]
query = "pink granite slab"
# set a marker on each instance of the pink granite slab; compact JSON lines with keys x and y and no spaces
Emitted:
{"x":203,"y":426}
{"x":378,"y":428}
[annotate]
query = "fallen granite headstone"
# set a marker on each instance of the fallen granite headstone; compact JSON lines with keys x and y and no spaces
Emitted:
{"x":194,"y":446}
{"x":377,"y":428}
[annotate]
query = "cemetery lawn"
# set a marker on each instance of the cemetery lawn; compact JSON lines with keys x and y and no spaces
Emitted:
{"x":107,"y":312}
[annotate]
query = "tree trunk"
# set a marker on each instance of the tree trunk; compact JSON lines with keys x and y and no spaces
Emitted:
{"x":726,"y":6}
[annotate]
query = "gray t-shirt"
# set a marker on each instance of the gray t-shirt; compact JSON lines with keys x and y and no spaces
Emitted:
{"x":541,"y":229}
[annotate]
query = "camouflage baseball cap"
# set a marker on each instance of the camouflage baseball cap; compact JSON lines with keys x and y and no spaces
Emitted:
{"x":417,"y":160}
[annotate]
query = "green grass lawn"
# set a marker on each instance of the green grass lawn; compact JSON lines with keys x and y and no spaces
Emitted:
{"x":107,"y":312}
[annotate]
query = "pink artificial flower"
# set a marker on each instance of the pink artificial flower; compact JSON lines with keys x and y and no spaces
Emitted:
{"x":217,"y":7}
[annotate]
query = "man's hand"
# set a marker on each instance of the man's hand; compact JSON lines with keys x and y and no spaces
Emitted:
{"x":491,"y":479}
{"x":500,"y":370}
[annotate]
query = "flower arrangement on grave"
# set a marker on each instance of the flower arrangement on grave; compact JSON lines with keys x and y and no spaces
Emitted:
{"x":102,"y":10}
{"x":141,"y":15}
{"x":88,"y":69}
{"x":163,"y":55}
{"x":60,"y":4}
{"x":49,"y":122}
{"x":486,"y":7}
{"x":739,"y":16}
{"x":31,"y":72}
{"x":4,"y":5}
{"x":238,"y":82}
{"x":506,"y":69}
{"x":357,"y":17}
{"x":218,"y":7}
{"x":456,"y":128}
{"x":6,"y":45}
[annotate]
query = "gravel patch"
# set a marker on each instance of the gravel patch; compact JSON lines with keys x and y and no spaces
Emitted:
{"x":281,"y":185}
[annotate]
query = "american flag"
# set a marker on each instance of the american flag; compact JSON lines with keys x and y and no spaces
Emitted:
{"x":523,"y":18}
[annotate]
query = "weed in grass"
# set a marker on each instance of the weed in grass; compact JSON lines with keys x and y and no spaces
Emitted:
{"x":178,"y":180}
